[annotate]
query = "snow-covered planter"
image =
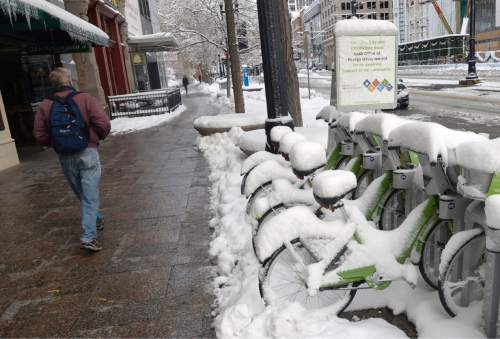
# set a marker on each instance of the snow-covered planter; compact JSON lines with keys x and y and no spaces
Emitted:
{"x":207,"y":125}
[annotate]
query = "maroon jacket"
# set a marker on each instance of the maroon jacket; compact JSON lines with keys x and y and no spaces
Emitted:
{"x":92,"y":112}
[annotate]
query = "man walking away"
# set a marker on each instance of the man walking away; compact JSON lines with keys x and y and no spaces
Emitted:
{"x":72,"y":123}
{"x":185,"y":83}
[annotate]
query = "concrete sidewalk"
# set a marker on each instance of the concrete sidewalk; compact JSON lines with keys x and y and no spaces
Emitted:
{"x":151,"y":279}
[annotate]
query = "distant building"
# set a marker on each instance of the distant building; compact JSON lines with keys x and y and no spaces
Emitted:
{"x":298,"y":35}
{"x":297,"y":5}
{"x":312,"y":25}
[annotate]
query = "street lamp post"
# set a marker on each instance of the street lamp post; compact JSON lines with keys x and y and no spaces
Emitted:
{"x":472,"y":74}
{"x":273,"y":59}
{"x":472,"y":77}
{"x":354,"y":8}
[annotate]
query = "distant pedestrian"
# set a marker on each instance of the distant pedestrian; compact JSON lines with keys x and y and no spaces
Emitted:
{"x":185,"y":83}
{"x":73,"y":123}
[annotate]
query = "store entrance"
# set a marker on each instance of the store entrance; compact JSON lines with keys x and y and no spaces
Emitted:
{"x":24,"y":84}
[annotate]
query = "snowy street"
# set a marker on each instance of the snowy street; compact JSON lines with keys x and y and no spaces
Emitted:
{"x":438,"y":98}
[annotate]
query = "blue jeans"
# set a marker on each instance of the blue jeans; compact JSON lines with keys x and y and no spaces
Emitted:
{"x":83,"y":172}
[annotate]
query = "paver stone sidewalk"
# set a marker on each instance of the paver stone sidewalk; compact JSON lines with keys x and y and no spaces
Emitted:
{"x":151,"y":278}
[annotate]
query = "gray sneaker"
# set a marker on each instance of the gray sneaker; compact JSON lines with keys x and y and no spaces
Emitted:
{"x":99,"y":225}
{"x":93,"y":245}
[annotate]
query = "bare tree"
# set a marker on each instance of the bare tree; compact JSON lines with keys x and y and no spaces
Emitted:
{"x":234,"y":58}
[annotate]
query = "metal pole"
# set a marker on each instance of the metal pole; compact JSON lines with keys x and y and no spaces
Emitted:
{"x":228,"y":76}
{"x":492,"y":283}
{"x":273,"y":59}
{"x":471,"y":73}
{"x":354,"y":8}
{"x":307,"y":61}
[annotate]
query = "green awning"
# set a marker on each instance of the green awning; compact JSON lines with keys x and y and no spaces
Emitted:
{"x":50,"y":16}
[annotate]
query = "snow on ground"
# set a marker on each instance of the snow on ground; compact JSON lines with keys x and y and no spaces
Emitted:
{"x":129,"y":125}
{"x":240,"y":312}
{"x":484,"y":69}
{"x":424,"y":82}
{"x":256,"y":109}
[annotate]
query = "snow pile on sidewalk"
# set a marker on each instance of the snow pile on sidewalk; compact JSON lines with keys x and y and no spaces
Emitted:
{"x":129,"y":125}
{"x":240,"y":312}
{"x":256,"y":111}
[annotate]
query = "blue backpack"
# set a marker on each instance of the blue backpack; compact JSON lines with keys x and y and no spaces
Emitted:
{"x":68,"y":130}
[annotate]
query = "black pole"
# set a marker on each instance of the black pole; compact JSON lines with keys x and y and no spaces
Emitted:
{"x":472,"y":73}
{"x":273,"y":59}
{"x":220,"y":66}
{"x":354,"y":8}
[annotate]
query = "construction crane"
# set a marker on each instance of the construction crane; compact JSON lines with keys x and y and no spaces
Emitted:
{"x":440,"y":14}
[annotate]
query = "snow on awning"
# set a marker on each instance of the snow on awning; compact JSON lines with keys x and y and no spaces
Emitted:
{"x":157,"y":42}
{"x":55,"y":17}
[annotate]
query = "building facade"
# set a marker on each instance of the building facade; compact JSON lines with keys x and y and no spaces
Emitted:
{"x":28,"y":53}
{"x":331,"y":11}
{"x":314,"y":33}
{"x":111,"y":61}
{"x":488,"y":25}
{"x":298,"y":35}
{"x":297,"y":5}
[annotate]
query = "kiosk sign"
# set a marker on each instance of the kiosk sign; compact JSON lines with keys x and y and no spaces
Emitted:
{"x":366,"y":61}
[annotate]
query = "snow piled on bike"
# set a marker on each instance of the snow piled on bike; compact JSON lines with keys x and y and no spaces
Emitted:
{"x":240,"y":311}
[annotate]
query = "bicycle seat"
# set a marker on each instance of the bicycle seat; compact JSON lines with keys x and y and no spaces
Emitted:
{"x":478,"y":162}
{"x":306,"y":158}
{"x":328,"y":114}
{"x":330,"y":187}
{"x":278,"y":132}
{"x":482,"y":156}
{"x":380,"y":124}
{"x":349,"y":120}
{"x":431,"y":139}
{"x":287,"y":142}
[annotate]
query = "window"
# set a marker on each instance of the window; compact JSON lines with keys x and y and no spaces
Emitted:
{"x":342,"y":6}
{"x":144,"y":9}
{"x":384,"y":16}
{"x":384,"y":4}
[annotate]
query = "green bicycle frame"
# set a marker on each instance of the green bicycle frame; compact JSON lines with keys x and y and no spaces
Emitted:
{"x":363,"y":274}
{"x":334,"y":158}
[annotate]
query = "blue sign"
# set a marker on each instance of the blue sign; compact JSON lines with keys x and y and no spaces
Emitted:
{"x":246,"y":77}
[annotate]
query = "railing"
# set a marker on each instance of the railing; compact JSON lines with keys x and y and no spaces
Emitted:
{"x":144,"y":103}
{"x":437,"y":50}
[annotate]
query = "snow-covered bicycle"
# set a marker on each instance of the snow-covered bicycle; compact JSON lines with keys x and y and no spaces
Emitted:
{"x":463,"y":268}
{"x":323,"y":262}
{"x":378,"y":201}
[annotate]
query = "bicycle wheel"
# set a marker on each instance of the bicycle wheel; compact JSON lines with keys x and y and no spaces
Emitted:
{"x":271,"y":213}
{"x":281,"y":280}
{"x":393,"y":211}
{"x":244,"y":181}
{"x":431,"y":252}
{"x":364,"y":180}
{"x":260,"y":192}
{"x":461,"y":283}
